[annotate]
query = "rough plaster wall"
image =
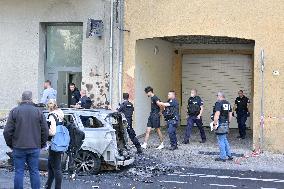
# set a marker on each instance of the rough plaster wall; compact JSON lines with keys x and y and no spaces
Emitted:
{"x":148,"y":66}
{"x":21,"y":64}
{"x":260,"y":20}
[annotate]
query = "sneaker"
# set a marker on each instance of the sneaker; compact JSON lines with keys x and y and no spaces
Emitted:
{"x":230,"y":158}
{"x":219,"y":159}
{"x":185,"y":142}
{"x":161,"y":146}
{"x":173,"y":148}
{"x":144,"y":145}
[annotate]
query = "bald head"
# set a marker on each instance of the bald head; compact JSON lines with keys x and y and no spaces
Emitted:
{"x":83,"y":92}
{"x":27,"y":96}
{"x":220,"y":96}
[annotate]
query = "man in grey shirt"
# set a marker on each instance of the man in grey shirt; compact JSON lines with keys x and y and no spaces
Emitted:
{"x":48,"y":93}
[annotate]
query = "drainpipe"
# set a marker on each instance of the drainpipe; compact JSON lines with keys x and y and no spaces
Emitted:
{"x":111,"y":53}
{"x":121,"y":47}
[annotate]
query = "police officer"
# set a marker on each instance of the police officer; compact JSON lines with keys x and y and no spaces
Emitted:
{"x":84,"y":102}
{"x":194,"y":111}
{"x":171,"y":115}
{"x":222,"y":117}
{"x":242,"y":110}
{"x":127,"y":109}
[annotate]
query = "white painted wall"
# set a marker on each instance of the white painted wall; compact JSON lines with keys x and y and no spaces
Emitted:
{"x":21,"y":43}
{"x":151,"y":70}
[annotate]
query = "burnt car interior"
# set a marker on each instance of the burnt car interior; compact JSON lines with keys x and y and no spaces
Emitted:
{"x":91,"y":122}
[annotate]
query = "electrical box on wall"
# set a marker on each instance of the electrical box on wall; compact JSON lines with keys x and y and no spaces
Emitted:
{"x":94,"y":28}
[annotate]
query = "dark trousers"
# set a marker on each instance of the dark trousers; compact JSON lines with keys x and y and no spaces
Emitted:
{"x":241,"y":119}
{"x":132,"y":134}
{"x":31,"y":157}
{"x":54,"y":170}
{"x":172,"y":126}
{"x":190,"y":122}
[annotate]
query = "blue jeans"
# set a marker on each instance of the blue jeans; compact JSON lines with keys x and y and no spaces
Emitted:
{"x":241,"y":119}
{"x":172,"y":126}
{"x":190,"y":122}
{"x":224,"y":146}
{"x":31,"y":157}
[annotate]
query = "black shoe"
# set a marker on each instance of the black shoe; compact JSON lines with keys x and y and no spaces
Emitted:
{"x":203,"y":141}
{"x":243,"y":137}
{"x":185,"y":142}
{"x":173,"y":148}
{"x":230,"y":158}
{"x":139,"y":150}
{"x":219,"y":159}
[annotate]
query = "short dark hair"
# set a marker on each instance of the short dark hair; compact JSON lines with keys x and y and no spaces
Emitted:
{"x":48,"y":81}
{"x":72,"y":84}
{"x":125,"y":96}
{"x":172,"y":91}
{"x":241,"y":91}
{"x":148,"y":89}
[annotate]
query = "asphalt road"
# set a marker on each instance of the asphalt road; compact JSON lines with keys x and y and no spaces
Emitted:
{"x":183,"y":178}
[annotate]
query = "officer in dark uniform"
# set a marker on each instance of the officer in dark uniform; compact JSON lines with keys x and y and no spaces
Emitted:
{"x":171,"y":115}
{"x":75,"y":95}
{"x":242,"y":111}
{"x":194,"y":111}
{"x":127,"y":109}
{"x":84,"y":102}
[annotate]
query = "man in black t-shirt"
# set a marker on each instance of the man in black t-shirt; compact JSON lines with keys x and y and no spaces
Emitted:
{"x":242,"y":109}
{"x":154,"y":118}
{"x":222,"y":118}
{"x":171,"y":115}
{"x":75,"y":95}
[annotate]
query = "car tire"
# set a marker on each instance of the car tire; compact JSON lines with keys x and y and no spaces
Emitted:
{"x":87,"y":162}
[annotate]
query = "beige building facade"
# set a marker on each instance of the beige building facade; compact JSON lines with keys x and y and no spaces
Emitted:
{"x":167,"y":37}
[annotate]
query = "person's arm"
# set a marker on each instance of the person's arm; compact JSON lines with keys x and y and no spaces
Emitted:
{"x":248,"y":106}
{"x":216,"y":118}
{"x":52,"y":129}
{"x":201,"y":105}
{"x":44,"y":97}
{"x":44,"y":130}
{"x":165,"y":104}
{"x":9,"y":130}
{"x":230,"y":116}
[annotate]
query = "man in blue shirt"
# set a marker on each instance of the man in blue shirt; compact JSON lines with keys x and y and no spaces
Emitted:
{"x":171,"y":115}
{"x":194,"y":111}
{"x":48,"y":93}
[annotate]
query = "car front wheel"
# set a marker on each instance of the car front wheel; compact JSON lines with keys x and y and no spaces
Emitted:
{"x":87,"y":162}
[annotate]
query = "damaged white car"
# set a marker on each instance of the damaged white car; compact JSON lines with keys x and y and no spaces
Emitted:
{"x":105,"y":144}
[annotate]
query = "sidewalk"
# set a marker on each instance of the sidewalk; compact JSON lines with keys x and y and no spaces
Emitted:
{"x":199,"y":155}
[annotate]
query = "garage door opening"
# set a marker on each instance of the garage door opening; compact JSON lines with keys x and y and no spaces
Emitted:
{"x":206,"y":63}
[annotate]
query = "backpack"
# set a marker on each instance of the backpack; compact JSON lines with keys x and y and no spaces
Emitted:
{"x":60,"y":141}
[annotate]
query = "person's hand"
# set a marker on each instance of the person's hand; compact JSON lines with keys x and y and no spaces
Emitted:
{"x":160,"y":113}
{"x":215,"y":126}
{"x":199,"y":116}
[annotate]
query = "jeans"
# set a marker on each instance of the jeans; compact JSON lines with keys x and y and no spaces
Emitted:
{"x":54,"y":170}
{"x":241,"y":119}
{"x":190,"y":122}
{"x":31,"y":158}
{"x":132,"y":134}
{"x":172,"y":126}
{"x":224,"y":146}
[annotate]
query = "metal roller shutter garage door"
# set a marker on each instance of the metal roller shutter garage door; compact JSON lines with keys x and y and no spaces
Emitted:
{"x":210,"y":73}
